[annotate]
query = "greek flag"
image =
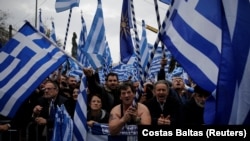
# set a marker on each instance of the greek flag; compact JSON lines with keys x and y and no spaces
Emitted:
{"x":74,"y":69}
{"x":80,"y":117}
{"x":41,"y":25}
{"x":144,"y":49}
{"x":155,"y":65}
{"x":100,"y":132}
{"x":107,"y":56}
{"x":53,"y":32}
{"x":63,"y":5}
{"x":108,"y":61}
{"x":231,"y":104}
{"x":81,"y":55}
{"x":196,"y":49}
{"x":26,"y":60}
{"x":96,"y":43}
{"x":63,"y":125}
{"x":166,"y":1}
{"x":206,"y":46}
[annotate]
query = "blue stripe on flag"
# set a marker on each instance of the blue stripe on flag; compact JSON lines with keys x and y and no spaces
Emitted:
{"x":33,"y":58}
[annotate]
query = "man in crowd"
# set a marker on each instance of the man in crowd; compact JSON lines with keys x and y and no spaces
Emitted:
{"x":109,"y":91}
{"x":126,"y":113}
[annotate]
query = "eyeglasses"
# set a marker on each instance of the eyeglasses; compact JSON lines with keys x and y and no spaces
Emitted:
{"x":48,"y":89}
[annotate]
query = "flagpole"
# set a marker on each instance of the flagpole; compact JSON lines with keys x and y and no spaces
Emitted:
{"x":142,"y":75}
{"x":151,"y":28}
{"x":67,"y":29}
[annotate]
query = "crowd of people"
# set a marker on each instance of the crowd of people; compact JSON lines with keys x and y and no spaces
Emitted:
{"x":163,"y":102}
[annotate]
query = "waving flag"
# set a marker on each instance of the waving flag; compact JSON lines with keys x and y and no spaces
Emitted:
{"x":26,"y":60}
{"x":231,"y":102}
{"x":107,"y":56}
{"x":126,"y":42}
{"x":100,"y":132}
{"x":144,"y":49}
{"x":166,"y":1}
{"x":95,"y":45}
{"x":74,"y":69}
{"x":218,"y":68}
{"x":108,"y":60}
{"x":41,"y":25}
{"x":63,"y":125}
{"x":63,"y":5}
{"x":155,"y":65}
{"x":80,"y":117}
{"x":81,"y":55}
{"x":188,"y":40}
{"x":53,"y":33}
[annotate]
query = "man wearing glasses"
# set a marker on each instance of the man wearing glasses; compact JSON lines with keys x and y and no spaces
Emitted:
{"x":43,"y":112}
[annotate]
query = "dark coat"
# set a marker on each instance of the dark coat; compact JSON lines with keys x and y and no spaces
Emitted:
{"x":50,"y":118}
{"x":109,"y":98}
{"x":171,"y":107}
{"x":192,"y":113}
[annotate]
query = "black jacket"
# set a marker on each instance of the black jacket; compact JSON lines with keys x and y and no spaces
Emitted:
{"x":171,"y":107}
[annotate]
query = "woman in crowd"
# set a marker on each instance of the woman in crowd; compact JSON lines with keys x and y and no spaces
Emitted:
{"x":95,"y":112}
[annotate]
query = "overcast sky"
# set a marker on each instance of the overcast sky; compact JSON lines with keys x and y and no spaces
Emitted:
{"x":20,"y":10}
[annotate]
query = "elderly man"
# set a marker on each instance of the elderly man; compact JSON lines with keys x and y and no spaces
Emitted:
{"x":42,"y":112}
{"x":193,"y":110}
{"x":163,"y":107}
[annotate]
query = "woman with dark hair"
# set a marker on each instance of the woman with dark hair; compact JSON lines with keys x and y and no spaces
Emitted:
{"x":95,"y":112}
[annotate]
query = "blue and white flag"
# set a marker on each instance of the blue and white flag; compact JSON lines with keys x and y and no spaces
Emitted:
{"x":209,"y":56}
{"x":100,"y":132}
{"x":108,"y":61}
{"x":26,"y":60}
{"x":53,"y":32}
{"x":95,"y":45}
{"x":155,"y":65}
{"x":231,"y":104}
{"x":80,"y":116}
{"x":63,"y":5}
{"x":41,"y":25}
{"x":126,"y":42}
{"x":107,"y":56}
{"x":81,"y":55}
{"x":168,"y":2}
{"x":63,"y":125}
{"x":74,"y":69}
{"x":196,"y":49}
{"x":144,"y":50}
